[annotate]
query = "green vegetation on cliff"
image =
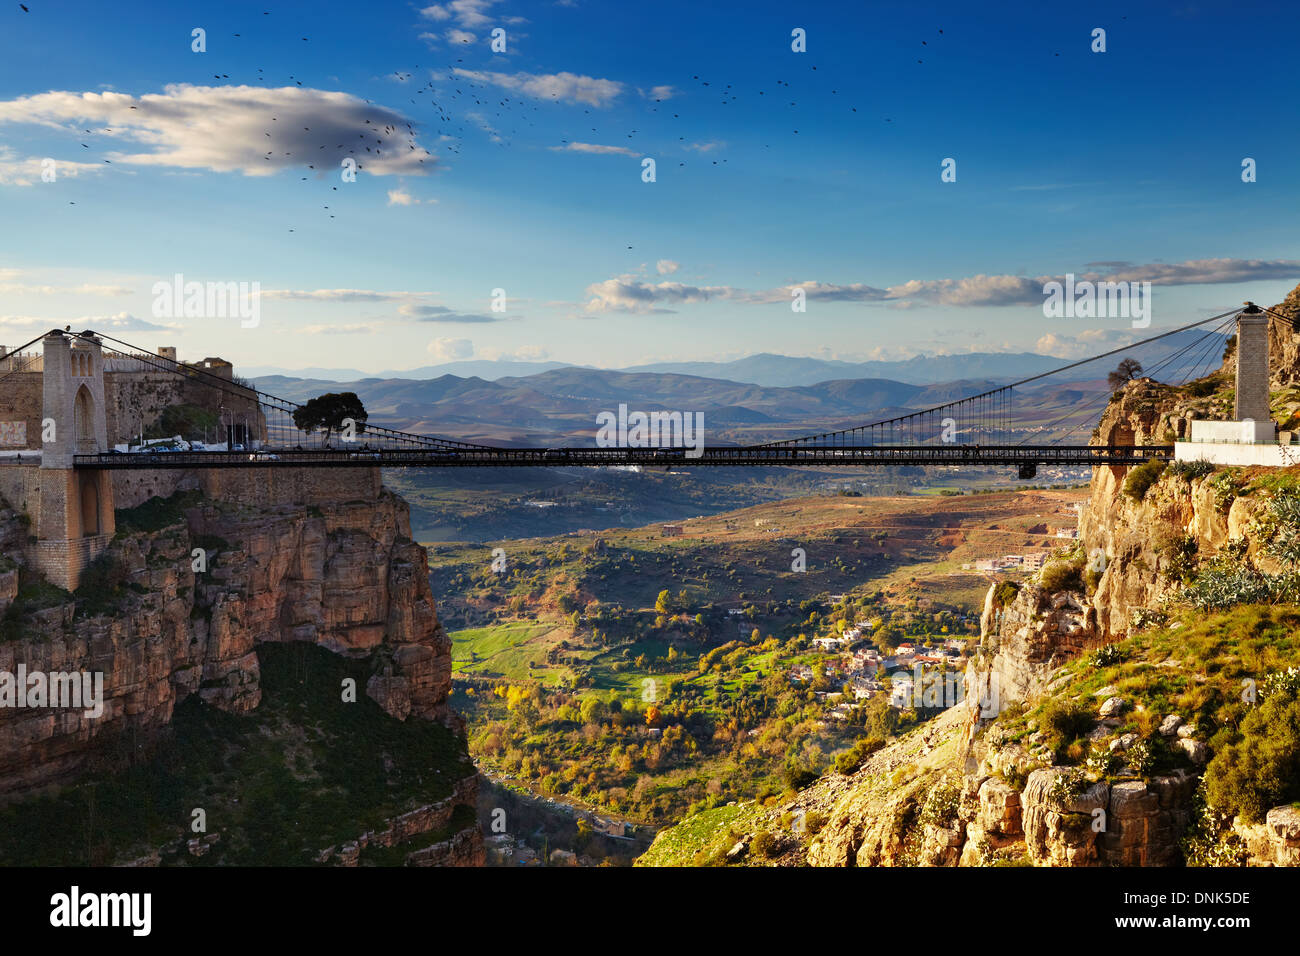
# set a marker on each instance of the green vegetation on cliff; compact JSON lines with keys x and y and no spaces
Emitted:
{"x":303,"y":772}
{"x":1232,"y":678}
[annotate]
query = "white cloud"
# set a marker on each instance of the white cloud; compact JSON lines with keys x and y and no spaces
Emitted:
{"x":661,"y":93}
{"x":824,"y":291}
{"x":355,"y":328}
{"x":570,"y":87}
{"x":1005,"y":290}
{"x":1087,"y":342}
{"x":1198,"y":271}
{"x":525,"y":353}
{"x":451,"y":350}
{"x":666,"y":267}
{"x":438,"y":12}
{"x":340,"y":295}
{"x":440,"y":313}
{"x":627,"y":293}
{"x":27,"y":171}
{"x":225,"y":129}
{"x":479,"y":120}
{"x":706,"y":147}
{"x":118,"y":322}
{"x":467,"y":13}
{"x":400,"y":197}
{"x":972,"y":291}
{"x":10,"y":287}
{"x":596,"y":149}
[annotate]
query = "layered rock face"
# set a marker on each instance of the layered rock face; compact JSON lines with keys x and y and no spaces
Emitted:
{"x":1025,"y":641}
{"x":463,"y":848}
{"x":345,"y":576}
{"x":877,"y":816}
{"x":1130,"y":534}
{"x":1129,"y":823}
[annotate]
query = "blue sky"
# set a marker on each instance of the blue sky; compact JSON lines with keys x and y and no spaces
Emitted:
{"x":1124,"y":164}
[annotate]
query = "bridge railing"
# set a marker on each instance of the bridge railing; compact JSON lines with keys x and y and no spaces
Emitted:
{"x":874,"y":455}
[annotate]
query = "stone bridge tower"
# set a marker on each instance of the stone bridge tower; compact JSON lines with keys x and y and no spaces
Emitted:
{"x":1252,"y":402}
{"x":75,"y":521}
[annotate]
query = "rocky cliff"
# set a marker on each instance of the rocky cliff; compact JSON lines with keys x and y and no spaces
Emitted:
{"x":1108,"y":710}
{"x":178,"y":609}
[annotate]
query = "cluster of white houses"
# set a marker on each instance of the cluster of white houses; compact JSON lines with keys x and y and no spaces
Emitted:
{"x":865,"y":667}
{"x":1029,"y":561}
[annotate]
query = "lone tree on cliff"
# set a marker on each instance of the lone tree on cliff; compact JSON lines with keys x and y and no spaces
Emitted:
{"x":1125,"y":372}
{"x":329,"y":412}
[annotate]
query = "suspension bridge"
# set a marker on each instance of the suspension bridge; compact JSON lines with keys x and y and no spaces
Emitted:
{"x":71,"y":391}
{"x":259,"y":430}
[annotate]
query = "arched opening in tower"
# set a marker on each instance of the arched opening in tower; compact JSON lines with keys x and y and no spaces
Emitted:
{"x":84,"y":420}
{"x":89,"y":504}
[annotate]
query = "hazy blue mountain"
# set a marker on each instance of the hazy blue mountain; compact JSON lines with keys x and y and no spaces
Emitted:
{"x":789,"y":371}
{"x":561,"y":404}
{"x":479,"y":368}
{"x":785,"y":371}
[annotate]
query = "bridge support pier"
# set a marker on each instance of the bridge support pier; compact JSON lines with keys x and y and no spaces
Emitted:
{"x":75,"y":521}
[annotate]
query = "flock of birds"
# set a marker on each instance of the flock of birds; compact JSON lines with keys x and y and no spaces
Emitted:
{"x":455,"y":99}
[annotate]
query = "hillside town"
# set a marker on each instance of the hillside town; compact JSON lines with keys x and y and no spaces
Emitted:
{"x":852,"y":661}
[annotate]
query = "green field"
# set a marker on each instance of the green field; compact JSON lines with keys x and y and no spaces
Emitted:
{"x":503,"y":651}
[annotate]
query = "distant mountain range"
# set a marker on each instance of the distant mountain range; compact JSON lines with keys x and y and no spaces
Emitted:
{"x":560,"y":404}
{"x":786,"y":371}
{"x":482,"y":368}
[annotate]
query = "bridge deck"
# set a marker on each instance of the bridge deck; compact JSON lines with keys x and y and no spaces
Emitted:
{"x":856,"y":455}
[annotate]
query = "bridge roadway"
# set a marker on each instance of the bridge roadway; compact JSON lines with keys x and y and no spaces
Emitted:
{"x":1024,"y":456}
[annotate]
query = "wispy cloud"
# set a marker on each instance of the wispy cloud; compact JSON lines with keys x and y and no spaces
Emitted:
{"x":630,"y":294}
{"x":563,"y":87}
{"x":341,"y":295}
{"x":18,"y":170}
{"x":400,"y":197}
{"x":117,"y":322}
{"x":1087,"y":342}
{"x":441,"y":313}
{"x":8,"y":287}
{"x":466,"y":13}
{"x":595,"y":148}
{"x":354,"y":328}
{"x":451,"y":350}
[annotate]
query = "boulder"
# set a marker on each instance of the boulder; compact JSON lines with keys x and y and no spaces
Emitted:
{"x":1112,"y":706}
{"x":1056,"y":833}
{"x":1283,"y":825}
{"x":1000,"y":808}
{"x":1196,"y":751}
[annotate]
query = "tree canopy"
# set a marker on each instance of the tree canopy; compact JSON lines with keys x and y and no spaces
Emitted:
{"x":1125,"y":372}
{"x":328,"y":412}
